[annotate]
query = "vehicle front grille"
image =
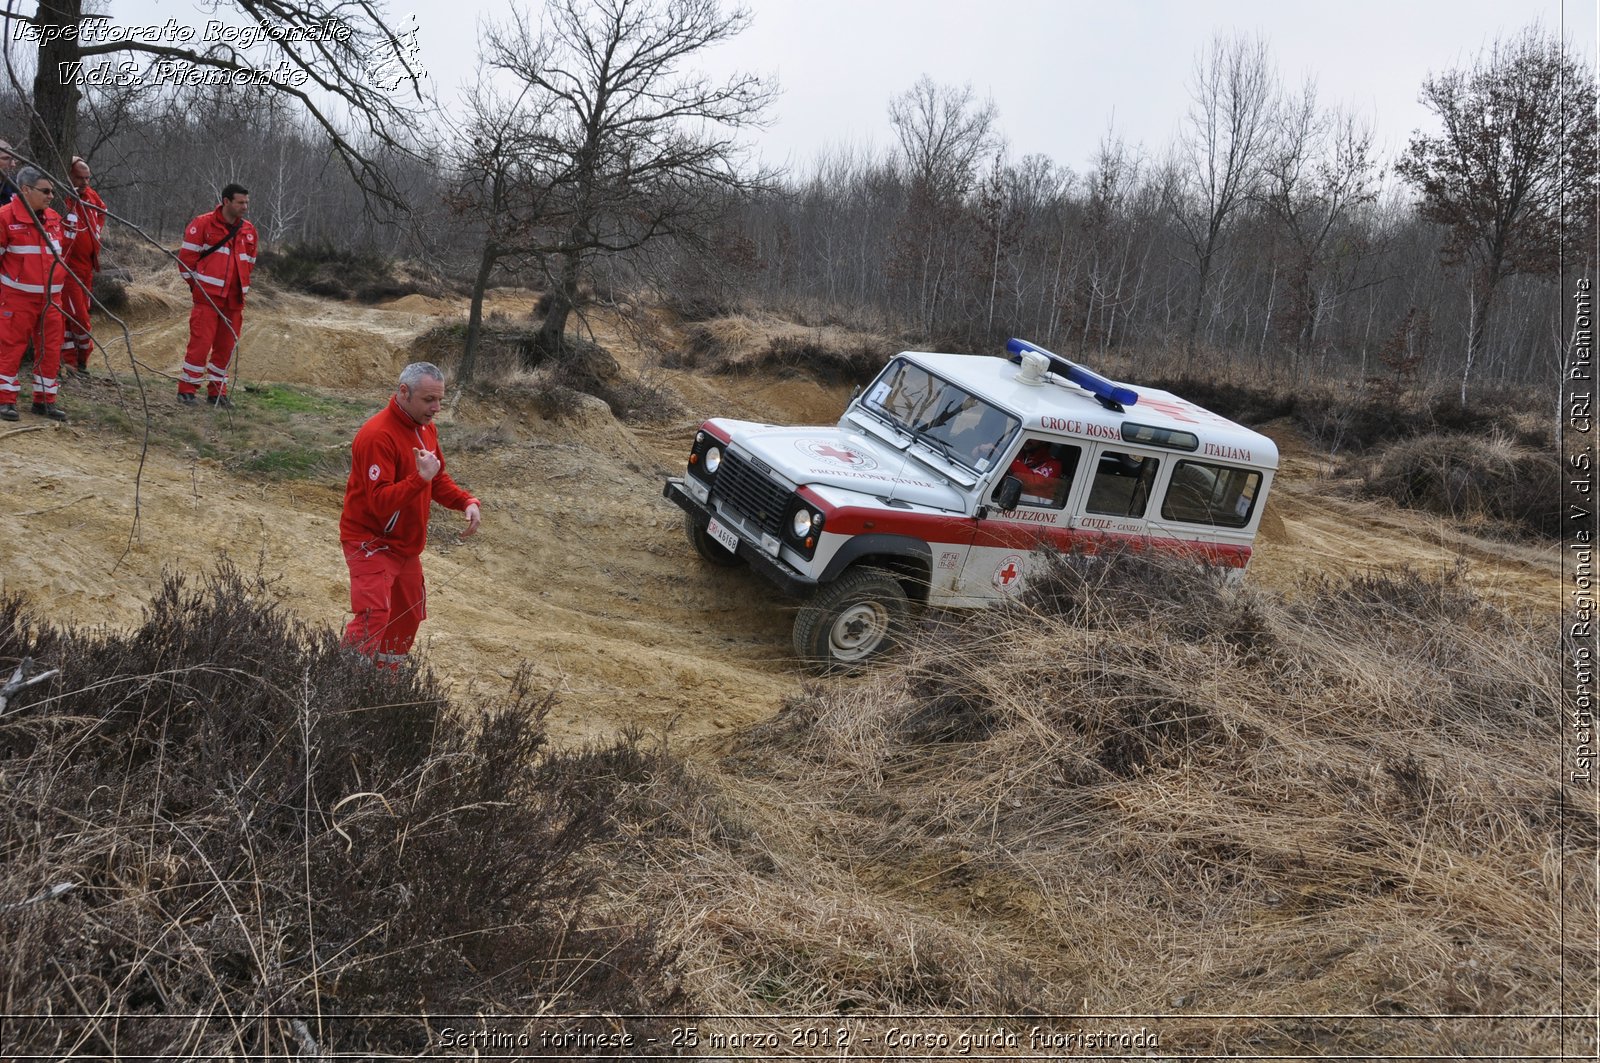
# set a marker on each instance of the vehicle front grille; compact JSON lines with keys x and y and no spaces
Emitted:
{"x":750,"y":493}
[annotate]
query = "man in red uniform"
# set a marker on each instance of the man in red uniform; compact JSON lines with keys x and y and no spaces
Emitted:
{"x":218,"y":253}
{"x":1038,"y":469}
{"x":31,"y":278}
{"x":396,"y":473}
{"x":86,"y":219}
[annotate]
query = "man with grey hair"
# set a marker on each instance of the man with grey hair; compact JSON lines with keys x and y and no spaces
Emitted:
{"x":32,"y":275}
{"x":396,"y":473}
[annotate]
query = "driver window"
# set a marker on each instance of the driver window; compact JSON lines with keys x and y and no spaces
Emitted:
{"x":1046,"y":470}
{"x":1122,"y":484}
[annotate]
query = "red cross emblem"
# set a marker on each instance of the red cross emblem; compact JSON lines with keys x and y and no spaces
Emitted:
{"x":847,"y":457}
{"x":1008,"y":574}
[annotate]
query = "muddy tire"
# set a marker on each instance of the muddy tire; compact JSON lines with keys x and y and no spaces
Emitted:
{"x":708,"y":548}
{"x":853,"y":619}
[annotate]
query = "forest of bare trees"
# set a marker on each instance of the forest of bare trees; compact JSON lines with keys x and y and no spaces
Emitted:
{"x":1270,"y":235}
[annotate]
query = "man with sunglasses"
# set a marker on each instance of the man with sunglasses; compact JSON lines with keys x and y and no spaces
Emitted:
{"x":32,"y":275}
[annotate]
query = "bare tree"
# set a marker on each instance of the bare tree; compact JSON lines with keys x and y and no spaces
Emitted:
{"x":1513,"y":174}
{"x":319,"y":53}
{"x":1319,"y":171}
{"x":497,"y":191}
{"x":636,"y":148}
{"x":943,"y":133}
{"x":1220,"y":152}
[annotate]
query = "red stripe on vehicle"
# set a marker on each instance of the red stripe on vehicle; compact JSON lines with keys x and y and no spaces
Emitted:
{"x":936,"y":529}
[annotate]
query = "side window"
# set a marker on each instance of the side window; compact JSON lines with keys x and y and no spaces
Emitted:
{"x":1211,"y":494}
{"x":1122,"y":484}
{"x":1046,"y":470}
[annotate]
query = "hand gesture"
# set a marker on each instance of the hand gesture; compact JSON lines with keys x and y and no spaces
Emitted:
{"x":474,"y":514}
{"x":428,"y":464}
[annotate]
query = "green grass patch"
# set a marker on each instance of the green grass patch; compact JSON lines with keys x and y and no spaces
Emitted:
{"x":273,"y":431}
{"x":281,"y":398}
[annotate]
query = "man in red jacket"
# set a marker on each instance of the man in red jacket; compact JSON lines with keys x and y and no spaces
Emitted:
{"x":217,"y":256}
{"x":86,"y":218}
{"x":31,"y":278}
{"x":396,"y":472}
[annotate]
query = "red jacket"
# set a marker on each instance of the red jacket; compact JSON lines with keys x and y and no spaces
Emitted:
{"x":215,"y":272}
{"x":386,"y":501}
{"x":30,"y":263}
{"x":86,"y":219}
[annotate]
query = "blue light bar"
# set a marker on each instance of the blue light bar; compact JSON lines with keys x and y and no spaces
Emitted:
{"x":1111,"y":395}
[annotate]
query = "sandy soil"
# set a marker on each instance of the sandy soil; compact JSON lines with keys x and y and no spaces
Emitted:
{"x":581,"y":568}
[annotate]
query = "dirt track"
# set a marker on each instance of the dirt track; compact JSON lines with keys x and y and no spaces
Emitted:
{"x":581,"y":567}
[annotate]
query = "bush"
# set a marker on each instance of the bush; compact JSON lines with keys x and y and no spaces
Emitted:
{"x":223,"y":814}
{"x":339,"y":273}
{"x":1470,"y":477}
{"x":740,"y":345}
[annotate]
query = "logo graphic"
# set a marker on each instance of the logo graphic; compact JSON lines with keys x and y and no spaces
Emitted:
{"x":396,"y":60}
{"x":1008,"y":573}
{"x":372,"y":472}
{"x":842,"y":456}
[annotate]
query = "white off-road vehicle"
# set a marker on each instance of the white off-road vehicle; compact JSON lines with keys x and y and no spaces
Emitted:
{"x":951,"y":477}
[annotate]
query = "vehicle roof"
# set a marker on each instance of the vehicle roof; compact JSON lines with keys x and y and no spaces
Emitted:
{"x":1061,"y":407}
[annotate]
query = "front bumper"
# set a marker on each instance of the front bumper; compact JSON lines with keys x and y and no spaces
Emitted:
{"x":788,"y":579}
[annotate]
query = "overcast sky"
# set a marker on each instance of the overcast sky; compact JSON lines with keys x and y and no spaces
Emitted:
{"x":1060,"y":73}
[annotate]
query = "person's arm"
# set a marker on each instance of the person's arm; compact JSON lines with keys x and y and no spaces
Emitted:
{"x":189,"y":252}
{"x":450,"y":495}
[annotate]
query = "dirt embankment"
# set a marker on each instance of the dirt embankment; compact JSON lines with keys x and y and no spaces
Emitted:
{"x":581,"y":567}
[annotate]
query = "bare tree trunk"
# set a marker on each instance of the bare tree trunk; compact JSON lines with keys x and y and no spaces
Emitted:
{"x":53,"y":129}
{"x":1478,"y":318}
{"x":469,"y":351}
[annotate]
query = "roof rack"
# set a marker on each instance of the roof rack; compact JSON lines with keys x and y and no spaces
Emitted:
{"x":1109,"y":394}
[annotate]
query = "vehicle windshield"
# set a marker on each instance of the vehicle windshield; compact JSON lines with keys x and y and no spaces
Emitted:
{"x":948,"y":419}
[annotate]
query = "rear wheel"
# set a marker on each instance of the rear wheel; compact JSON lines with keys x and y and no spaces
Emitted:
{"x":852,"y":619}
{"x":708,"y":548}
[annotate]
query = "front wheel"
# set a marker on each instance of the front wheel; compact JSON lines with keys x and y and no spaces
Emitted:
{"x":858,"y":616}
{"x":708,"y":548}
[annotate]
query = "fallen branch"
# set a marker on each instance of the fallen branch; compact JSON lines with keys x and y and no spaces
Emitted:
{"x":19,"y":431}
{"x":43,"y":895}
{"x":17,"y":683}
{"x":52,"y":509}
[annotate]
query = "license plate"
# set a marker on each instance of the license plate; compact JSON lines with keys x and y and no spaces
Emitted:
{"x":729,"y":541}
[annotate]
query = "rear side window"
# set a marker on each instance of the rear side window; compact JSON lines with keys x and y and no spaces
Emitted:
{"x":1219,"y":495}
{"x":1122,"y":483}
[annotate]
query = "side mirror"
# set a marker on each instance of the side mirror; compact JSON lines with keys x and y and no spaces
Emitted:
{"x":1009,"y":493}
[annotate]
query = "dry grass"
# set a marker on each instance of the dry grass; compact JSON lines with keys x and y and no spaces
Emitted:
{"x":1150,"y":793}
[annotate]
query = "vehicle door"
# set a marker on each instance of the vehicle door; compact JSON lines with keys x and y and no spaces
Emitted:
{"x":1008,"y":544}
{"x":1115,"y":504}
{"x":1213,"y":503}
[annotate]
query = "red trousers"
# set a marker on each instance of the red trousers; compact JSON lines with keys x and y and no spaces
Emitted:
{"x":389,"y":600}
{"x":213,"y":334}
{"x":23,"y":317}
{"x":76,"y":298}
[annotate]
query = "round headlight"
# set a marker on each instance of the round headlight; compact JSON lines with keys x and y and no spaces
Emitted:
{"x":800,"y":523}
{"x":713,"y":460}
